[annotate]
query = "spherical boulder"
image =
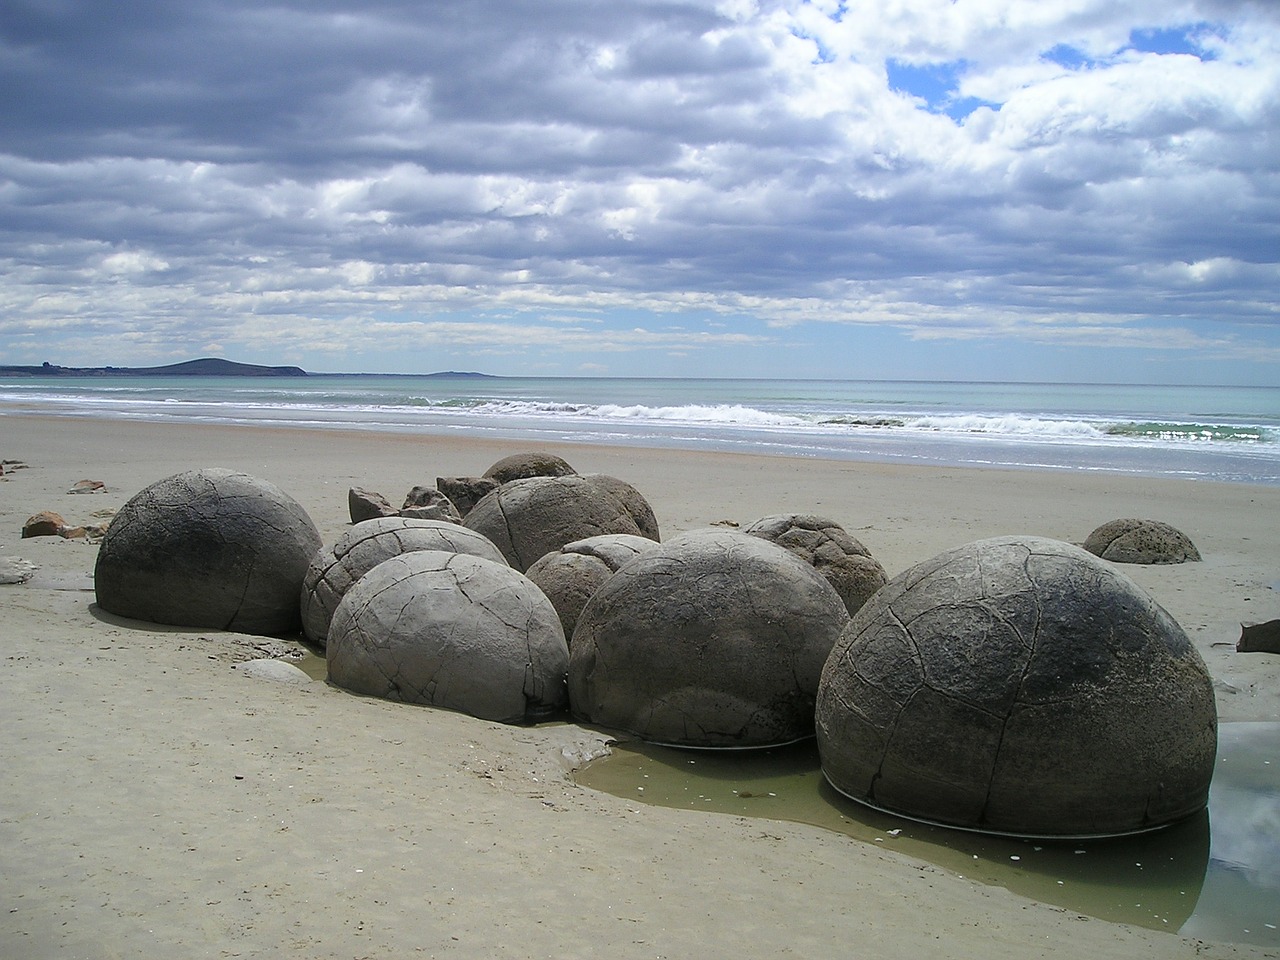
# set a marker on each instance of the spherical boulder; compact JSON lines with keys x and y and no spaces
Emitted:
{"x":571,"y":575}
{"x":332,"y":571}
{"x":841,"y":559}
{"x":530,"y":518}
{"x":1019,"y":685}
{"x":520,"y":466}
{"x":713,"y":639}
{"x":208,"y":548}
{"x":1141,"y":541}
{"x":451,"y":630}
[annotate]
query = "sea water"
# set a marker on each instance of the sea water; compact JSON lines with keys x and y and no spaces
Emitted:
{"x":1212,"y":433}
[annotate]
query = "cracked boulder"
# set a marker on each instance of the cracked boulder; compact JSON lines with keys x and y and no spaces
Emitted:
{"x":332,"y":571}
{"x":1141,"y":541}
{"x":530,"y":518}
{"x":713,"y":639}
{"x":521,"y":466}
{"x":208,"y":548}
{"x":1019,"y":685}
{"x":826,"y":546}
{"x":571,"y":575}
{"x":451,"y":630}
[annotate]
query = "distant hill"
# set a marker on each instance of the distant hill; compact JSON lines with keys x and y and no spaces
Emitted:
{"x":204,"y":367}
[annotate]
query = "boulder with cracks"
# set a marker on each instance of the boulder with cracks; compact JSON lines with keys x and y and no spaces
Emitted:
{"x":208,"y":548}
{"x":1019,"y":685}
{"x":713,"y":639}
{"x":841,"y":559}
{"x":1141,"y":541}
{"x":571,"y":575}
{"x":451,"y":630}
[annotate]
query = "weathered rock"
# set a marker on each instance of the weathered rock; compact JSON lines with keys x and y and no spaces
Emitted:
{"x":530,"y":518}
{"x":1141,"y":541}
{"x":368,"y":505}
{"x":713,"y":639}
{"x":1019,"y":685}
{"x":451,"y":630}
{"x":332,"y":571}
{"x":428,"y":503}
{"x":520,"y":466}
{"x":465,"y":492}
{"x":208,"y":548}
{"x":277,"y":671}
{"x":826,"y":546}
{"x":88,"y":486}
{"x":1259,"y":637}
{"x":46,"y":523}
{"x":569,"y":576}
{"x":16,"y":570}
{"x":632,"y":501}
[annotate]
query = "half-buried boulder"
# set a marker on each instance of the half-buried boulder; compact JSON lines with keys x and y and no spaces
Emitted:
{"x":571,"y":575}
{"x":521,"y":466}
{"x":1019,"y":685}
{"x":713,"y":639}
{"x":451,"y":630}
{"x":530,"y":518}
{"x":826,"y":546}
{"x":208,"y":548}
{"x":332,"y":571}
{"x":1141,"y":541}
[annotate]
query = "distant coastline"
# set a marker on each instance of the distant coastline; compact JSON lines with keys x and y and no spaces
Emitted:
{"x":204,"y":367}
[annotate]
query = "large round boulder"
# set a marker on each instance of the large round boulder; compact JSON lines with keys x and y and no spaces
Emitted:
{"x":1141,"y":541}
{"x":332,"y":571}
{"x":530,"y":518}
{"x":521,"y":466}
{"x":1019,"y":685}
{"x":825,"y":545}
{"x":208,"y":548}
{"x":571,"y":575}
{"x":451,"y":630}
{"x":713,"y":639}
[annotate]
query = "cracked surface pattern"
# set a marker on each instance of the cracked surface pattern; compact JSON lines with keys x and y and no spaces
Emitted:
{"x":713,"y":639}
{"x":826,"y":546}
{"x":451,"y":630}
{"x":207,"y":548}
{"x":1141,"y":541}
{"x":333,"y":570}
{"x":572,"y":575}
{"x":530,"y":518}
{"x":1019,"y":685}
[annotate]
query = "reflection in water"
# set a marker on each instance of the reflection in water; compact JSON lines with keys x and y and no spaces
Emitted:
{"x":1156,"y":879}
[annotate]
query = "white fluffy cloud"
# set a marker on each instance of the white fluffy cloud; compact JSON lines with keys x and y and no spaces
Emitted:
{"x":291,"y":178}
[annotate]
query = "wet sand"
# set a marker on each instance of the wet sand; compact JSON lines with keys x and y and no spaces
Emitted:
{"x":156,"y":801}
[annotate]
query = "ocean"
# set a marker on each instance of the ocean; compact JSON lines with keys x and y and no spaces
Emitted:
{"x":1229,"y":434}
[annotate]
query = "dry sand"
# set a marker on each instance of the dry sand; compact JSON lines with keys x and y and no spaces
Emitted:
{"x":156,"y":802}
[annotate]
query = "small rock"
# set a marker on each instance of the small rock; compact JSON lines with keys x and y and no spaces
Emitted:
{"x":1259,"y":637}
{"x":88,"y":486}
{"x":16,"y":570}
{"x":275,"y":670}
{"x":428,"y":503}
{"x":368,"y":505}
{"x":46,"y":523}
{"x":466,"y":492}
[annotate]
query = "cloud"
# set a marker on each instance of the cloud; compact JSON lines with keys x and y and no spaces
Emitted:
{"x":231,"y":172}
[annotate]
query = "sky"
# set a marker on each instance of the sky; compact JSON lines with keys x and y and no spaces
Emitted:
{"x":1057,"y":190}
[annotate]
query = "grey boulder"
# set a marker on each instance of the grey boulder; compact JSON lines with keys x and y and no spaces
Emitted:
{"x":713,"y":639}
{"x":208,"y":548}
{"x":451,"y":630}
{"x":365,"y":504}
{"x":826,"y":546}
{"x":571,"y":575}
{"x":331,"y":572}
{"x":520,"y":466}
{"x":1141,"y":541}
{"x":1019,"y":685}
{"x":465,"y":492}
{"x":530,"y":518}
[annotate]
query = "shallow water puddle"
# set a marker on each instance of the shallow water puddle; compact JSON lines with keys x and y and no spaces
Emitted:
{"x":1214,"y":876}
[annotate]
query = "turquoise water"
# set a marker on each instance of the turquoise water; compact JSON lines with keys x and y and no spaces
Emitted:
{"x":1214,"y":433}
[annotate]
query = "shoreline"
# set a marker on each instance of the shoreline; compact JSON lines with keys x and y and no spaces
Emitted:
{"x":158,"y":800}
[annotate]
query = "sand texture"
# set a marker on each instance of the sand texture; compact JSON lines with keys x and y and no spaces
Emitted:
{"x":156,"y":802}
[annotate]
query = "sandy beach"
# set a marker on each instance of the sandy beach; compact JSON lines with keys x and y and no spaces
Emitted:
{"x":156,"y":802}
